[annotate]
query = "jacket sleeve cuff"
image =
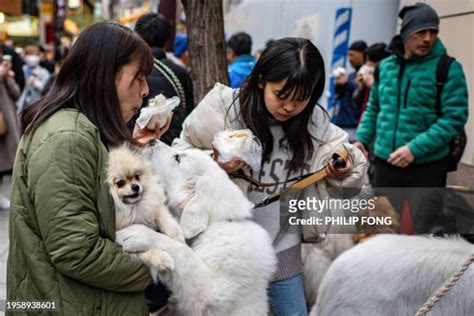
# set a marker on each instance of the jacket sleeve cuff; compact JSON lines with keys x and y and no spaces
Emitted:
{"x":415,"y":151}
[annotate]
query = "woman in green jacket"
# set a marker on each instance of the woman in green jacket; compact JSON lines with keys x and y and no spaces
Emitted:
{"x":62,"y":223}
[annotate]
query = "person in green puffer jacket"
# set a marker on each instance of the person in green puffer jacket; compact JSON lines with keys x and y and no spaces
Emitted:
{"x":62,"y":222}
{"x":411,"y":137}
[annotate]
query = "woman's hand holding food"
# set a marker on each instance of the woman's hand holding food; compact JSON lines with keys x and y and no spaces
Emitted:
{"x":231,"y":166}
{"x":144,"y":135}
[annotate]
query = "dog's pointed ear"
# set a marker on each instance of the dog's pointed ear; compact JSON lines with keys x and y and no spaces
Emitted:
{"x":146,"y":153}
{"x":194,"y":219}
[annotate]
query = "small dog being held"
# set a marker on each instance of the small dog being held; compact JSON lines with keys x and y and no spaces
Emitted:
{"x":139,"y":198}
{"x":227,"y":266}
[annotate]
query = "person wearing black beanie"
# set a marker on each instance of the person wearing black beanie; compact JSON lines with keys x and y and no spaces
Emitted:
{"x":376,"y":53}
{"x":357,"y":54}
{"x":416,"y":18}
{"x":413,"y":116}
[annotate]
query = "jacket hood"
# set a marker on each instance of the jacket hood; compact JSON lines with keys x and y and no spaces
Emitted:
{"x":397,"y":47}
{"x":158,"y":53}
{"x":318,"y":127}
{"x":243,"y":64}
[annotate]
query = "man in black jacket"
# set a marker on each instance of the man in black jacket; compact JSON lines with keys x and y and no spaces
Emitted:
{"x":167,"y":77}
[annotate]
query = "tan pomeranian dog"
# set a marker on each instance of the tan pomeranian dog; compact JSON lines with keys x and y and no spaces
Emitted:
{"x":138,"y":194}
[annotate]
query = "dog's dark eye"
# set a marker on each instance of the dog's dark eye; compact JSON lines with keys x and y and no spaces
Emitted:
{"x":137,"y":177}
{"x":177,"y":158}
{"x":120,"y":183}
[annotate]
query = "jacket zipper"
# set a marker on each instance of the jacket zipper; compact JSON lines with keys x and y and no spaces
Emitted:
{"x":406,"y":94}
{"x":400,"y":75}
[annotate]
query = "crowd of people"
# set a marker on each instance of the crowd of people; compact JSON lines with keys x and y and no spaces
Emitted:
{"x":27,"y":74}
{"x":351,"y":91}
{"x":405,"y":106}
{"x":61,"y":214}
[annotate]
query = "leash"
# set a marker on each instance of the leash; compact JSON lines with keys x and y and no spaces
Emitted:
{"x":308,"y":179}
{"x":172,"y":78}
{"x":241,"y":175}
{"x":440,"y":292}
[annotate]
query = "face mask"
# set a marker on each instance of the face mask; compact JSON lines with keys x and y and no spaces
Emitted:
{"x":32,"y":60}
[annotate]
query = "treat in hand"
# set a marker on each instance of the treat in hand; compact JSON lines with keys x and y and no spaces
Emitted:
{"x":157,"y":102}
{"x":157,"y":112}
{"x":238,"y":144}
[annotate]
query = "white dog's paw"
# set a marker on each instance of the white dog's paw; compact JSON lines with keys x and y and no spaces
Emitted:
{"x":135,"y":238}
{"x":158,"y":261}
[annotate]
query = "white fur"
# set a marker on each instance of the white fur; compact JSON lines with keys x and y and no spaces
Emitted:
{"x":229,"y":264}
{"x":148,"y":208}
{"x":316,"y":261}
{"x":395,"y":275}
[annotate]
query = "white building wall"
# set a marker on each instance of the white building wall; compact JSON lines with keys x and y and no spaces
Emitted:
{"x":372,"y":21}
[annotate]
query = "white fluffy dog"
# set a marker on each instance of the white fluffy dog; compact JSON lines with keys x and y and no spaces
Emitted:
{"x":395,"y":275}
{"x":227,"y":268}
{"x":139,"y":198}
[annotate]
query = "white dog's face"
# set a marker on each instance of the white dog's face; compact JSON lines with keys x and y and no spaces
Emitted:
{"x":198,"y":190}
{"x":127,"y":174}
{"x":190,"y":179}
{"x":180,"y":171}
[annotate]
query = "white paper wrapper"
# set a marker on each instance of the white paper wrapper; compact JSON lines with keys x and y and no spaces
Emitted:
{"x":238,"y":144}
{"x":158,"y":109}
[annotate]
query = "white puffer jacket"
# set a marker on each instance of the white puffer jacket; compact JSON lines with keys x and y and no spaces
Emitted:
{"x":219,"y":110}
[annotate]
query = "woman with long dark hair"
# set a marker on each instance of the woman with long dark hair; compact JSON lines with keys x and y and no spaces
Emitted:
{"x":279,"y":103}
{"x":62,"y":222}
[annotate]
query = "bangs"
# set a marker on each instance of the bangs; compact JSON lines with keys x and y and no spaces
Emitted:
{"x":144,"y":55}
{"x":299,"y":87}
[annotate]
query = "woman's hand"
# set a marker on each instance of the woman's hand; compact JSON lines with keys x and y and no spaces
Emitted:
{"x":338,"y":173}
{"x":31,"y":80}
{"x":361,"y":147}
{"x":231,"y":166}
{"x":368,"y":79}
{"x":144,"y":135}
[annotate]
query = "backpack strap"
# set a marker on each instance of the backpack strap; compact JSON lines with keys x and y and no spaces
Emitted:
{"x":172,"y":78}
{"x":442,"y":71}
{"x":377,"y":73}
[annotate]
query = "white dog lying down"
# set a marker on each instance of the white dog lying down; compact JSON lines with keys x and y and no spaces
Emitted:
{"x":395,"y":275}
{"x":231,"y":260}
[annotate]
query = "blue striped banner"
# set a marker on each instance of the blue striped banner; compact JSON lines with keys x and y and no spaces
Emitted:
{"x":340,"y":46}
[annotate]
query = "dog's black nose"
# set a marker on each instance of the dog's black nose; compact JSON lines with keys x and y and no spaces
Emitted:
{"x":152,"y":142}
{"x":135,"y":187}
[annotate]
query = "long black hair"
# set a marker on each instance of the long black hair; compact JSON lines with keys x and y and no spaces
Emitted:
{"x":300,"y":62}
{"x":87,"y":79}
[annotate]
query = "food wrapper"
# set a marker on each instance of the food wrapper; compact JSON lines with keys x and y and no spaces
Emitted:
{"x":238,"y":144}
{"x":158,"y":109}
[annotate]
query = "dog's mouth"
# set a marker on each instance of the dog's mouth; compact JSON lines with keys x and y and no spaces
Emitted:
{"x":131,"y":199}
